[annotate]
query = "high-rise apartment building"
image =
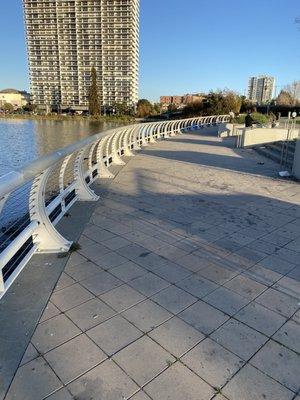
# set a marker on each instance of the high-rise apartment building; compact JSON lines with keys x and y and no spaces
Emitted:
{"x":67,"y":38}
{"x":261,"y":88}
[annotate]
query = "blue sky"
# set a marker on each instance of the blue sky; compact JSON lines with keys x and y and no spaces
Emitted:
{"x":188,"y":45}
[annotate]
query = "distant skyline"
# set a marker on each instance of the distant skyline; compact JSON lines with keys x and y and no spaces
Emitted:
{"x":190,"y":46}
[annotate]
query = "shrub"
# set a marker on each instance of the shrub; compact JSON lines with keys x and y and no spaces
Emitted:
{"x":258,"y":118}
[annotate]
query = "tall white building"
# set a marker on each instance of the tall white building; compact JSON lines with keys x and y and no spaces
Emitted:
{"x":67,"y":38}
{"x":261,"y":88}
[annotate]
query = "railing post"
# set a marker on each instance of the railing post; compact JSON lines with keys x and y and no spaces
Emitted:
{"x":115,"y":155}
{"x":127,"y":143}
{"x":144,"y":130}
{"x":46,"y":237}
{"x":151,"y":130}
{"x":83,"y":191}
{"x":104,"y":172}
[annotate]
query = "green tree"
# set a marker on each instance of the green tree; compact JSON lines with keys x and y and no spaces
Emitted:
{"x":7,"y":107}
{"x":29,"y":107}
{"x":232,"y":102}
{"x":94,"y":102}
{"x":193,"y":109}
{"x":144,"y":108}
{"x":122,"y":108}
{"x":172,"y":107}
{"x":157,"y":108}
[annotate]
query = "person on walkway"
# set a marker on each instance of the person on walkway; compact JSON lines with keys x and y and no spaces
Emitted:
{"x":249,"y":120}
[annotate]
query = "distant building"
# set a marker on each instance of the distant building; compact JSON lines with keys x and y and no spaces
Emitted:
{"x":180,"y":101}
{"x":261,"y":89}
{"x":66,"y":39}
{"x":14,"y":97}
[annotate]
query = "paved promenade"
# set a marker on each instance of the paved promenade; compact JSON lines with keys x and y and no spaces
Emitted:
{"x":186,"y":285}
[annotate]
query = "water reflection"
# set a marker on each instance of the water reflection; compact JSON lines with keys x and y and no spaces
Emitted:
{"x":22,"y":141}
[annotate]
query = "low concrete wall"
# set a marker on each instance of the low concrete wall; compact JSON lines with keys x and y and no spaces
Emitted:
{"x":257,"y":136}
{"x":296,"y":165}
{"x":228,"y":129}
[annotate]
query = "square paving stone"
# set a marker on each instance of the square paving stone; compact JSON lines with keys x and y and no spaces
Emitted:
{"x":289,"y":286}
{"x":296,"y":317}
{"x":217,"y":274}
{"x":212,"y":362}
{"x":70,"y":297}
{"x":152,"y":243}
{"x":122,"y":297}
{"x":90,"y":314}
{"x":294,"y":245}
{"x":114,"y":334}
{"x":295,"y":273}
{"x":110,"y":260}
{"x":226,"y":244}
{"x":178,"y":383}
{"x":149,"y":284}
{"x":106,"y":381}
{"x":226,"y":300}
{"x":34,"y":380}
{"x":74,"y":358}
{"x":151,"y":261}
{"x":128,"y":271}
{"x":263,"y":246}
{"x":190,"y":261}
{"x":64,"y":281}
{"x":289,"y":335}
{"x":171,"y":272}
{"x":97,"y":234}
{"x":171,"y":252}
{"x":83,"y":271}
{"x":245,"y":287}
{"x":278,"y":302}
{"x":94,"y":251}
{"x":197,"y":286}
{"x":133,"y":359}
{"x":274,"y":263}
{"x":251,"y":384}
{"x":260,"y":318}
{"x":53,"y":332}
{"x":84,"y":241}
{"x":280,"y":363}
{"x":275,"y":238}
{"x":147,"y":315}
{"x":289,"y":255}
{"x":30,"y":354}
{"x":262,"y":275}
{"x":133,"y":251}
{"x":174,"y":299}
{"x":176,"y":336}
{"x":239,"y":338}
{"x":116,"y":243}
{"x":203,"y":317}
{"x":76,"y":259}
{"x":101,"y":283}
{"x":49,"y":312}
{"x":62,"y":394}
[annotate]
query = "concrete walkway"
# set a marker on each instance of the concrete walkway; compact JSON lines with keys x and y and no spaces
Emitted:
{"x":186,"y":286}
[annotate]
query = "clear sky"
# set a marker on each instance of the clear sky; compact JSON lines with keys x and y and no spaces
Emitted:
{"x":188,"y":45}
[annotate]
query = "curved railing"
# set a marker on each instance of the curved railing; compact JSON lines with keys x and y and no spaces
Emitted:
{"x":34,"y":198}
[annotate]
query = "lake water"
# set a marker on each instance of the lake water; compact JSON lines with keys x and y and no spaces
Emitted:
{"x":22,"y":141}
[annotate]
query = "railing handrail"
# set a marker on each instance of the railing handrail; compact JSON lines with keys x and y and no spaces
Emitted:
{"x":19,"y":176}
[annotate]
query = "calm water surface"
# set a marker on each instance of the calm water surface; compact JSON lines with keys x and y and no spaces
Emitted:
{"x":22,"y":141}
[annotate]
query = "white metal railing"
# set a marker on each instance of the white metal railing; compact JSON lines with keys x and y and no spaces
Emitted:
{"x":34,"y":198}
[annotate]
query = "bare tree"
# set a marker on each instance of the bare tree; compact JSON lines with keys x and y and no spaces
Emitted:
{"x":294,"y":90}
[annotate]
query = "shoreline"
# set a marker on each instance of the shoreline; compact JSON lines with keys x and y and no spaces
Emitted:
{"x":101,"y":118}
